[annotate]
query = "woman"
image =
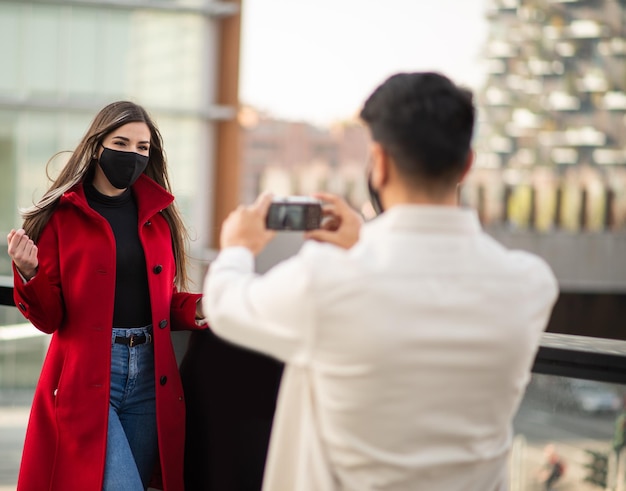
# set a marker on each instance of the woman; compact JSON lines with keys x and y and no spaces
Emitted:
{"x":98,"y":264}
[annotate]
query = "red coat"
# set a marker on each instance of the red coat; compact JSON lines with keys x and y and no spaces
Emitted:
{"x":72,"y":297}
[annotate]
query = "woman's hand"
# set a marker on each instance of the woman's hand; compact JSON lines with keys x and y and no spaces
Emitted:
{"x":200,"y":317}
{"x":341,"y":225}
{"x":23,"y":252}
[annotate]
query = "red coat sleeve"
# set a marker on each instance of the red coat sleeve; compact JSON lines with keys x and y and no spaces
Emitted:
{"x":183,"y":311}
{"x":40,"y":299}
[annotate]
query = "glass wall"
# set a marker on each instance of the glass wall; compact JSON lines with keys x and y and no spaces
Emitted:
{"x":68,"y":54}
{"x":61,"y":63}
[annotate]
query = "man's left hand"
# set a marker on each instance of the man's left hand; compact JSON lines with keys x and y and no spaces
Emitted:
{"x":341,"y":226}
{"x":245,"y":227}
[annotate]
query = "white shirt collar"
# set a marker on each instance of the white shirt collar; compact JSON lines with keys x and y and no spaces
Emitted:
{"x":426,"y":219}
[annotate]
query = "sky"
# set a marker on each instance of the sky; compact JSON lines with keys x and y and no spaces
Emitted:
{"x":318,"y":60}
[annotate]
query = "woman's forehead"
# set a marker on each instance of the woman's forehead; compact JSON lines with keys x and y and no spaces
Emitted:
{"x":137,"y":130}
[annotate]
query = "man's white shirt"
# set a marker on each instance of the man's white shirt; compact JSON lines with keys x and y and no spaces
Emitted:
{"x":406,"y":356}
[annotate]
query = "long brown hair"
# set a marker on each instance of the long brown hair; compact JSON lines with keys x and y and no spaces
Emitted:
{"x":82,"y":162}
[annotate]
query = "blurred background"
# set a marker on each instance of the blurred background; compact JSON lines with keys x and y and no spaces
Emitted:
{"x":260,"y":95}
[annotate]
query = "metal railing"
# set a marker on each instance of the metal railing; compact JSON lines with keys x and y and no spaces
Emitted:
{"x":6,"y":291}
{"x":566,"y":355}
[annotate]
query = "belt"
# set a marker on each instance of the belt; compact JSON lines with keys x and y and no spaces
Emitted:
{"x":133,"y":339}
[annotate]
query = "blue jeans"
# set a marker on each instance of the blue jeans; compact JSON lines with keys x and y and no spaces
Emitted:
{"x":132,"y":446}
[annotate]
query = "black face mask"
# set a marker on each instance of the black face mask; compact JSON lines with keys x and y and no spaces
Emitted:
{"x":374,"y":196}
{"x":122,"y":169}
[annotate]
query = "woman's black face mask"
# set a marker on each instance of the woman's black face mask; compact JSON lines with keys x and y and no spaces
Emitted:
{"x":122,"y":169}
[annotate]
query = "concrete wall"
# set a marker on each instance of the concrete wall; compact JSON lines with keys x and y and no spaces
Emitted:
{"x":591,"y":262}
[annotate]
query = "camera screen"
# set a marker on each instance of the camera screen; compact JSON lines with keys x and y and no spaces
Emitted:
{"x":293,"y":216}
{"x":286,"y":216}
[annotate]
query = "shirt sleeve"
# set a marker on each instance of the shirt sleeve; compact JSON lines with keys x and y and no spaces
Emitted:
{"x":272,"y":313}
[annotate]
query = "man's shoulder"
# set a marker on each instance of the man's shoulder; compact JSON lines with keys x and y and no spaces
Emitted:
{"x":526,"y":260}
{"x":532,"y":269}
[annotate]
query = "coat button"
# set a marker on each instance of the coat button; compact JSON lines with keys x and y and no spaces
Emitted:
{"x":163,"y":324}
{"x":157,"y":269}
{"x":21,"y":306}
{"x":163,"y":380}
{"x":148,"y":223}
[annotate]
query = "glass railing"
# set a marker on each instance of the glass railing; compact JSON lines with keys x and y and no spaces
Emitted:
{"x":22,"y":350}
{"x":571,"y":424}
{"x":572,"y":420}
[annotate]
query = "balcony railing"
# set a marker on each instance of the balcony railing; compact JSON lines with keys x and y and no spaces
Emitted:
{"x":561,"y":361}
{"x":562,"y":354}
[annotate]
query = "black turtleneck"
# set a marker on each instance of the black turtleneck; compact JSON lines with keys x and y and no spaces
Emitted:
{"x":132,"y":298}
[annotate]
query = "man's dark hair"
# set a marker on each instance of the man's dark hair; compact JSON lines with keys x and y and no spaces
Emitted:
{"x":424,"y":122}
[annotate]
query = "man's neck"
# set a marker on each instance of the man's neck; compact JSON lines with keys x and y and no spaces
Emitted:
{"x":401,"y":196}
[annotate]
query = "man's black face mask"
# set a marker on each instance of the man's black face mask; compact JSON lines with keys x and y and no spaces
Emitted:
{"x":374,"y":196}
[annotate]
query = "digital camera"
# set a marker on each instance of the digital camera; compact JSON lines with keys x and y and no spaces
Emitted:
{"x":294,"y":213}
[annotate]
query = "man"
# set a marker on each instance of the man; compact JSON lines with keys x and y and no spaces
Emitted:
{"x":408,"y":341}
{"x":553,"y":468}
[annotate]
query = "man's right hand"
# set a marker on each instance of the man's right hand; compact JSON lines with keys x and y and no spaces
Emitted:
{"x":245,"y":226}
{"x":341,"y":225}
{"x":23,"y":252}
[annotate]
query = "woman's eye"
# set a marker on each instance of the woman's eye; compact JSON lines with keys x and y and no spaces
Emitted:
{"x":144,"y":148}
{"x":119,"y":143}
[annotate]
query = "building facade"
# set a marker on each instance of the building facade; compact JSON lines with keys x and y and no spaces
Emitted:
{"x":295,"y":157}
{"x":62,"y":61}
{"x":553,"y":114}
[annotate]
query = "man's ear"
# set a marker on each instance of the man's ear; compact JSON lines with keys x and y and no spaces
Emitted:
{"x":380,"y":165}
